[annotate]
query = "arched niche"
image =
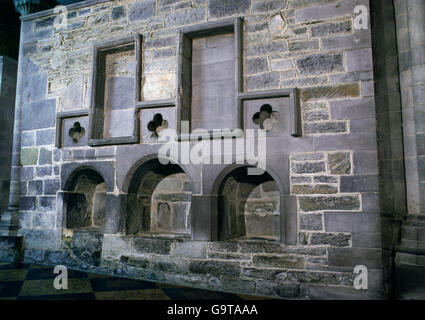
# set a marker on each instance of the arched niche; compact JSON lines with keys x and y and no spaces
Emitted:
{"x":249,"y":206}
{"x":85,"y":200}
{"x":158,"y":200}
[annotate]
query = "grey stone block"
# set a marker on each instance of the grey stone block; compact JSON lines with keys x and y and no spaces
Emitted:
{"x":146,"y":245}
{"x":35,"y":187}
{"x":330,"y":28}
{"x":308,"y":167}
{"x":184,"y":17}
{"x":38,"y":115}
{"x":319,"y":64}
{"x":359,"y":183}
{"x":222,"y":8}
{"x":268,"y":5}
{"x":359,"y":60}
{"x":190,"y":249}
{"x":27,"y":203}
{"x":264,"y":80}
{"x":47,"y":204}
{"x":118,"y":13}
{"x":256,"y":65}
{"x":141,"y":10}
{"x":44,"y":171}
{"x":339,"y":240}
{"x":45,"y":137}
{"x":43,"y":221}
{"x":351,"y":222}
{"x":351,"y":257}
{"x":325,"y":127}
{"x":355,"y":41}
{"x":311,"y":222}
{"x":45,"y":157}
{"x":215,"y":268}
{"x":34,"y":87}
{"x":317,"y":203}
{"x":51,"y":186}
{"x":353,"y":109}
{"x":266,"y":48}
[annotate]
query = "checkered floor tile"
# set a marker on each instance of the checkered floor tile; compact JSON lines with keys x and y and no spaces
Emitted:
{"x":35,"y":282}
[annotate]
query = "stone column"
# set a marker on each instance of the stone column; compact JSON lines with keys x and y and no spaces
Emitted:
{"x":9,"y":219}
{"x":410,"y":256}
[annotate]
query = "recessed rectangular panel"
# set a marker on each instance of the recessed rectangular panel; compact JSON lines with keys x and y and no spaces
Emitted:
{"x":272,"y":115}
{"x":213,"y":83}
{"x":75,"y":131}
{"x":119,"y":93}
{"x":153,"y":120}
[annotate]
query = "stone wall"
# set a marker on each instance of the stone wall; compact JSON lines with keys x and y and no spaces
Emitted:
{"x":332,"y":168}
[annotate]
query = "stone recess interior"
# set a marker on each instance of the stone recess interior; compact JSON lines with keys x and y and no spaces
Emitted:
{"x":100,"y":200}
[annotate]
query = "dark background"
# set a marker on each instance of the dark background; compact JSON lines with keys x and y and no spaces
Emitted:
{"x":9,"y":30}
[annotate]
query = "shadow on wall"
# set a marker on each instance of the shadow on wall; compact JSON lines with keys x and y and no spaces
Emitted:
{"x":159,"y":200}
{"x":249,"y":206}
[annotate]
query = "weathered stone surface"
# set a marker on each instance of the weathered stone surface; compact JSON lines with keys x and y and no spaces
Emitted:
{"x":319,"y":64}
{"x":303,"y":46}
{"x":215,"y":268}
{"x":330,"y":28}
{"x":256,"y":65}
{"x":317,"y":189}
{"x":264,"y":80}
{"x":37,"y":115}
{"x":184,"y":17}
{"x":147,"y":245}
{"x":325,"y":127}
{"x":308,"y":167}
{"x":45,"y":157}
{"x":340,"y":240}
{"x":329,"y":203}
{"x":292,"y":262}
{"x":266,"y":48}
{"x":339,"y":163}
{"x":316,"y":115}
{"x":311,"y":222}
{"x":268,"y":5}
{"x":190,"y":249}
{"x":141,"y":10}
{"x":87,"y":246}
{"x":118,"y":13}
{"x":330,"y":92}
{"x":222,"y":8}
{"x":29,"y":156}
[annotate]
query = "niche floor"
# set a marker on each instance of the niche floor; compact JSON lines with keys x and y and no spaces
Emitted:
{"x":35,"y":282}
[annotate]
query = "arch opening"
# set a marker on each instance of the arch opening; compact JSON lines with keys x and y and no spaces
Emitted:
{"x":86,"y":201}
{"x":249,"y":206}
{"x":159,"y":200}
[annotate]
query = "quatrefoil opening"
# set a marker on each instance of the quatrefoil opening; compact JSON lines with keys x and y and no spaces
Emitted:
{"x":76,"y":132}
{"x":266,"y":117}
{"x":157,"y":124}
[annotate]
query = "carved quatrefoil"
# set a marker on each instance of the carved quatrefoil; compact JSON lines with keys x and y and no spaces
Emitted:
{"x":266,"y":117}
{"x":157,"y":124}
{"x":76,"y":132}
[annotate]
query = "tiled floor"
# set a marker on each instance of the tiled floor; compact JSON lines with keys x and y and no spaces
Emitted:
{"x":35,"y":282}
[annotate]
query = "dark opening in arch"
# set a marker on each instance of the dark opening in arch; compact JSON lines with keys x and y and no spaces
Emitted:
{"x":248,"y":206}
{"x":158,"y":201}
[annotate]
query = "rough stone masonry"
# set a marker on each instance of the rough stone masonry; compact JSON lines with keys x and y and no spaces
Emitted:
{"x":93,"y":92}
